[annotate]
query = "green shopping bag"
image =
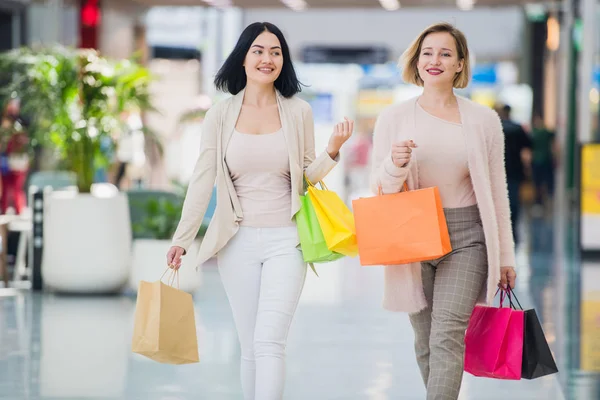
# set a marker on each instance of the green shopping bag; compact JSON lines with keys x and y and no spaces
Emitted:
{"x":312,"y":242}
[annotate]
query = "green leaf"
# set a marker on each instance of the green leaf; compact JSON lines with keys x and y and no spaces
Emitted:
{"x":161,"y":217}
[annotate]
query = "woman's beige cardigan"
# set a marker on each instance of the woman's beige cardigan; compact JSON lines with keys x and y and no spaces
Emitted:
{"x":219,"y":123}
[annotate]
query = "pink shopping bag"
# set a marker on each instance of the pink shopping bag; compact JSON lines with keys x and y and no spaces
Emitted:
{"x":494,"y":343}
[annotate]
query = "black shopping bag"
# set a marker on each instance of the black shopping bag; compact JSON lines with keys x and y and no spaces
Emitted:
{"x":537,"y":357}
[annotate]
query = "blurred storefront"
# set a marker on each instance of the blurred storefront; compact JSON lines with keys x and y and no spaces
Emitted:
{"x":13,"y":23}
{"x":111,"y":26}
{"x":576,"y":52}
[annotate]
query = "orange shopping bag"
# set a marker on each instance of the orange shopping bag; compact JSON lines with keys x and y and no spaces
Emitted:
{"x":401,"y":228}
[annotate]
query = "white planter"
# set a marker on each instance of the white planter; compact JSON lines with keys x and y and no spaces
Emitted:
{"x":87,"y":242}
{"x":150,"y":262}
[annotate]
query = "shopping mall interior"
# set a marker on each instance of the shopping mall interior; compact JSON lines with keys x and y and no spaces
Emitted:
{"x":103,"y":105}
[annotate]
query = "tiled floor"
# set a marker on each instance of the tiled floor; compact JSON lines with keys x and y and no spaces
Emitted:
{"x":342,"y":346}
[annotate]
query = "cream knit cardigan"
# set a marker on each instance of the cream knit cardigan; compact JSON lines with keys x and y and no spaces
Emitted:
{"x":484,"y":140}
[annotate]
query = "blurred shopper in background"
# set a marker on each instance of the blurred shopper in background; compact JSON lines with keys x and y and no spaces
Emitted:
{"x":258,"y":145}
{"x":357,"y":163}
{"x":439,"y":139}
{"x":14,"y":158}
{"x":131,"y":157}
{"x":543,"y":160}
{"x":517,"y":153}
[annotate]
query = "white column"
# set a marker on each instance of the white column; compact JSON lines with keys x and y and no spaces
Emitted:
{"x":564,"y":57}
{"x":231,"y":28}
{"x":56,"y":7}
{"x":562,"y":125}
{"x":586,"y":67}
{"x":45,"y":22}
{"x":116,"y":36}
{"x":210,"y":51}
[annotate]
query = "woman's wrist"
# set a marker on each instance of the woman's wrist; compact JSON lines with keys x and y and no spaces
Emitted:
{"x":395,"y":165}
{"x":332,"y":153}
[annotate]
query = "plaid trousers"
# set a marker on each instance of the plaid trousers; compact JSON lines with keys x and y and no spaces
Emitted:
{"x":452,"y":285}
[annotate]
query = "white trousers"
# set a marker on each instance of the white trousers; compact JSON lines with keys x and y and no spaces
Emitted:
{"x":263,"y":274}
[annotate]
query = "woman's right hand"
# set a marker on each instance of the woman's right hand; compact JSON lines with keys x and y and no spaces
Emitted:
{"x":174,"y":257}
{"x":401,"y":152}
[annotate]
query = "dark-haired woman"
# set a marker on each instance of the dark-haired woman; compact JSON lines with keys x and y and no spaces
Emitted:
{"x":257,"y":145}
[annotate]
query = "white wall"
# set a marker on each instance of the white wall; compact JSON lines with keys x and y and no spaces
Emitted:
{"x":21,"y":1}
{"x":57,"y":21}
{"x":492,"y":32}
{"x":118,"y":22}
{"x":174,"y":92}
{"x":51,"y":22}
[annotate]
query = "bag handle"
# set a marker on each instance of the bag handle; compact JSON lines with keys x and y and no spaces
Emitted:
{"x":171,"y":278}
{"x":508,"y":293}
{"x":380,"y":190}
{"x":504,"y":295}
{"x":323,"y":186}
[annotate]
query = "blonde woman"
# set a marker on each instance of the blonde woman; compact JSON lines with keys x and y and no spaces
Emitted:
{"x":440,"y":139}
{"x":257,"y":145}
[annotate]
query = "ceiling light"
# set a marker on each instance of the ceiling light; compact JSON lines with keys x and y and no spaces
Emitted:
{"x":219,"y":3}
{"x":296,"y":5}
{"x":390,"y":5}
{"x":465,"y":5}
{"x":553,"y":28}
{"x":594,"y":96}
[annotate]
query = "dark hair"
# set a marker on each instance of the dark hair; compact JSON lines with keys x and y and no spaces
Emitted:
{"x":232,"y":77}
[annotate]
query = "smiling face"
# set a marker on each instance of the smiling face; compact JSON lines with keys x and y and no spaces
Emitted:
{"x":264,"y":59}
{"x":439,"y":63}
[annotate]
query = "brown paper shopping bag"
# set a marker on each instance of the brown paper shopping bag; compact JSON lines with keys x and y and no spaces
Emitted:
{"x":165,"y":327}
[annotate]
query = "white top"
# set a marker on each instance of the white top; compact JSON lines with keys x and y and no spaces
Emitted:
{"x":260,"y":170}
{"x":442,"y":159}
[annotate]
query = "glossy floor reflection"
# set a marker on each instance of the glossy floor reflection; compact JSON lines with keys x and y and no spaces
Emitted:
{"x":342,"y":346}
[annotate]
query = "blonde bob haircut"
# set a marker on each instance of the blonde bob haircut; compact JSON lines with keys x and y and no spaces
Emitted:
{"x":410,"y":58}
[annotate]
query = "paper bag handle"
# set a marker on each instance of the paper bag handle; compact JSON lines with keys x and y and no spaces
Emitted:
{"x":171,"y":277}
{"x":323,"y":186}
{"x":380,"y":190}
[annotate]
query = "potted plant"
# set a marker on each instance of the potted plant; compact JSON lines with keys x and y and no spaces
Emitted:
{"x":153,"y":233}
{"x":74,"y":100}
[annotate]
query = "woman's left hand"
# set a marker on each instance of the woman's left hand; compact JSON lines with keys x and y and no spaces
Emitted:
{"x":341,"y":133}
{"x":508,"y":276}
